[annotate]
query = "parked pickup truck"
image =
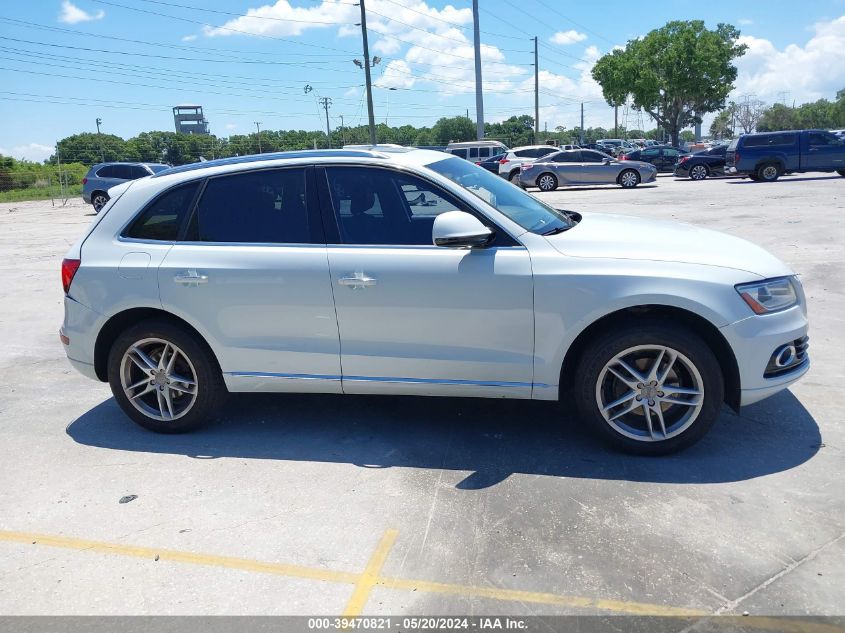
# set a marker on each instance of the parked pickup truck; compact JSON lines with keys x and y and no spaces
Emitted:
{"x":768,"y":155}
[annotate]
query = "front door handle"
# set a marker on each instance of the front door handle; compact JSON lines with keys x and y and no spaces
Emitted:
{"x":357,"y":281}
{"x":190,"y":277}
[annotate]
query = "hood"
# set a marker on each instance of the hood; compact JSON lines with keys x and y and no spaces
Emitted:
{"x":625,"y":237}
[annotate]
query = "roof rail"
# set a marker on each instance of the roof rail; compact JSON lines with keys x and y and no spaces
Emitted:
{"x":256,"y":158}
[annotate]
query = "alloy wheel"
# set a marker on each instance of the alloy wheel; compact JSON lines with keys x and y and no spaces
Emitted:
{"x":770,"y":172}
{"x":629,"y":179}
{"x":158,"y":379}
{"x":99,"y":202}
{"x":650,"y":393}
{"x":546,"y":183}
{"x":699,"y":172}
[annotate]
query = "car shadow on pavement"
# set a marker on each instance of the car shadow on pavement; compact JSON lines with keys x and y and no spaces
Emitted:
{"x":491,"y":438}
{"x":785,"y":178}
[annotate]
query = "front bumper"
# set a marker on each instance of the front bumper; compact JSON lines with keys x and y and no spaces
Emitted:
{"x":649,"y":178}
{"x":754,"y":340}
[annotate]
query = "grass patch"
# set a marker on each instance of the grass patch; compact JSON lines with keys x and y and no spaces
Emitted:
{"x":38,"y":193}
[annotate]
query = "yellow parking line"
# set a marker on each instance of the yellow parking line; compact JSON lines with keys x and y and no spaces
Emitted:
{"x":370,"y":577}
{"x":364,"y":583}
{"x":229,"y":562}
{"x":515,"y":595}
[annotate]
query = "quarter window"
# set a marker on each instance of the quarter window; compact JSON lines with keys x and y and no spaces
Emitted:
{"x":162,"y":218}
{"x":257,"y":207}
{"x":379,"y":206}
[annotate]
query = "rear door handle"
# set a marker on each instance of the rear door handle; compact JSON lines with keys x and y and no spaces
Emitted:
{"x":190,"y":277}
{"x":357,"y":281}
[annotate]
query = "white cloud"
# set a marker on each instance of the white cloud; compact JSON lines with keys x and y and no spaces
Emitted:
{"x":33,"y":151}
{"x":397,"y":74}
{"x":281,"y":19}
{"x":354,"y":91}
{"x":744,"y":21}
{"x":189,"y":38}
{"x":231,"y":126}
{"x":807,"y":72}
{"x":564,"y":38}
{"x":72,"y":14}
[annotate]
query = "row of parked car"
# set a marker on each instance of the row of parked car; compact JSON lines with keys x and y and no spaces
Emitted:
{"x":762,"y":156}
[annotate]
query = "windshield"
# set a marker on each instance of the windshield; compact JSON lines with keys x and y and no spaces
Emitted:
{"x":517,"y":205}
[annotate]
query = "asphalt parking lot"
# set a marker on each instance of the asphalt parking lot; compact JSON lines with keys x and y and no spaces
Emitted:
{"x":327,"y":504}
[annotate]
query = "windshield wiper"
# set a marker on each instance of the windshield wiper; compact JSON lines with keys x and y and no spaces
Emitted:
{"x":556,"y":230}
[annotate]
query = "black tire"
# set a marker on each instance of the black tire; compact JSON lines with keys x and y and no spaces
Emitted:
{"x":514,"y":177}
{"x":547,"y":182}
{"x":99,"y":200}
{"x":626,"y":181}
{"x":656,"y":332}
{"x":769,"y":172}
{"x":753,"y":177}
{"x":699,"y":172}
{"x":209,"y":385}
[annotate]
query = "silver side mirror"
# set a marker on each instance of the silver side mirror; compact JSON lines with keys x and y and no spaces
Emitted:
{"x":457,"y":229}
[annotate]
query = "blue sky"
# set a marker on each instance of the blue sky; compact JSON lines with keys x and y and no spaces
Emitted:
{"x":64,"y":63}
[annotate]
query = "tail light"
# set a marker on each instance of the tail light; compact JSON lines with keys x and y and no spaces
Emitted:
{"x":84,"y":181}
{"x":684,"y":159}
{"x":736,"y":157}
{"x":623,"y":157}
{"x":504,"y":161}
{"x":526,"y":166}
{"x":69,"y":268}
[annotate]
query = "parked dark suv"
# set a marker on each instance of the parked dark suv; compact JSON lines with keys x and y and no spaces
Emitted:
{"x":698,"y":166}
{"x":768,"y":155}
{"x":102,"y":176}
{"x":664,"y":157}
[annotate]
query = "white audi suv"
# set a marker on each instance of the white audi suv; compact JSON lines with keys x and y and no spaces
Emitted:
{"x":395,"y":271}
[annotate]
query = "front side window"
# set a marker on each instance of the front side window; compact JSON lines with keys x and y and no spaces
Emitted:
{"x":651,"y":153}
{"x":589,"y":156}
{"x":512,"y":202}
{"x":259,"y":207}
{"x":821,"y":139}
{"x":385,"y":207}
{"x":670,"y":152}
{"x":137,"y":171}
{"x":162,"y":218}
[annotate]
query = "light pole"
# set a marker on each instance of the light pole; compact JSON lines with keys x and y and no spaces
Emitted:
{"x":100,"y":139}
{"x":258,"y":133}
{"x":366,"y":66}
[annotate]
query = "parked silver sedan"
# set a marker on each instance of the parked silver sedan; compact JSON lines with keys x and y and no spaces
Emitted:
{"x":584,"y":167}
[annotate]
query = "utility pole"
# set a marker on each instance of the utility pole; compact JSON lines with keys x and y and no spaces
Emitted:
{"x":367,"y":73}
{"x":479,"y":94}
{"x":100,"y":139}
{"x":536,"y":93}
{"x":258,"y":129}
{"x":615,"y":121}
{"x":326,"y":101}
{"x":582,"y":124}
{"x":342,"y":130}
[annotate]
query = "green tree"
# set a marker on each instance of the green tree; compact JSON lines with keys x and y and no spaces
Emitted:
{"x":456,"y":128}
{"x":675,"y":73}
{"x":723,"y":124}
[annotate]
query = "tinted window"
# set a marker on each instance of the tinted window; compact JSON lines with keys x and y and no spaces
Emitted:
{"x":254,"y":207}
{"x":527,"y":153}
{"x":589,"y":156}
{"x":763,"y":140}
{"x":380,"y":206}
{"x":124,"y":171}
{"x":566,"y":157}
{"x":137,"y":171}
{"x":109,"y":171}
{"x":460,"y":152}
{"x":822,"y":138}
{"x":473,"y":152}
{"x":545,"y":151}
{"x":717,"y":151}
{"x":158,"y":168}
{"x":651,"y":153}
{"x":163,"y":217}
{"x":483,"y":152}
{"x":670,"y":152}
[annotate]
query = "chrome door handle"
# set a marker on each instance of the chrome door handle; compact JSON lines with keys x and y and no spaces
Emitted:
{"x":357,"y":281}
{"x":190,"y":277}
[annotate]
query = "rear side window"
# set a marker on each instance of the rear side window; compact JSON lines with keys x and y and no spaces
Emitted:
{"x":162,"y":218}
{"x":462,"y":153}
{"x":566,"y":157}
{"x":260,"y":207}
{"x":108,"y":171}
{"x":769,"y":140}
{"x":545,"y":151}
{"x":138,"y":172}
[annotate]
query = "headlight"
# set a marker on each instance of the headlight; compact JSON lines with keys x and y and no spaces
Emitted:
{"x":770,"y":295}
